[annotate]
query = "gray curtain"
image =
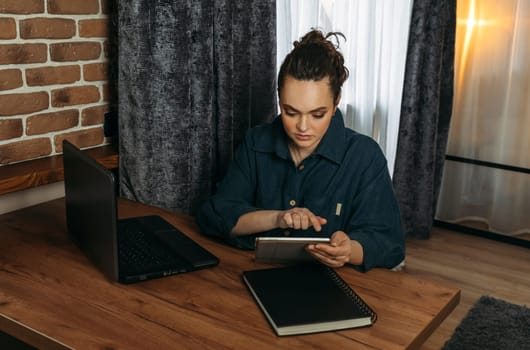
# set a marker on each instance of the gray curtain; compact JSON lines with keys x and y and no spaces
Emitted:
{"x":193,"y":77}
{"x":425,"y":113}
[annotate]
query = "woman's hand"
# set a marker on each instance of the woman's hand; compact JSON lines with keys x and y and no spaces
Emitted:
{"x":264,"y":220}
{"x":341,"y":250}
{"x":300,"y":219}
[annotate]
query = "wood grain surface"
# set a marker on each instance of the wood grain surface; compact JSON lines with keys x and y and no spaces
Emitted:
{"x":52,"y":297}
{"x":43,"y":171}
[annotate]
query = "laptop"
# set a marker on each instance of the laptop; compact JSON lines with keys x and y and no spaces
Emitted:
{"x":126,"y":250}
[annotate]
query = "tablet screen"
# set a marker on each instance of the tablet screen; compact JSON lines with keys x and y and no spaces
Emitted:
{"x":285,"y":249}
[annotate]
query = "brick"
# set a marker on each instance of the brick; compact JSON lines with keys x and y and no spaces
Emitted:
{"x":75,"y":51}
{"x":48,"y":122}
{"x":106,"y":48}
{"x":14,"y":104}
{"x":95,"y":71}
{"x":82,"y":138}
{"x":94,"y":115}
{"x":93,"y":28}
{"x":23,"y":53}
{"x":47,"y":28}
{"x":10,"y":128}
{"x":8,"y":28}
{"x":79,"y":7}
{"x":77,"y":95}
{"x":10,"y":79}
{"x":53,"y":75}
{"x":105,"y":6}
{"x":21,"y":6}
{"x":25,"y":150}
{"x":105,"y":92}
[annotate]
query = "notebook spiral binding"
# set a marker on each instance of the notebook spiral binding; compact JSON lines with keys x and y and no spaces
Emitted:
{"x":351,"y":293}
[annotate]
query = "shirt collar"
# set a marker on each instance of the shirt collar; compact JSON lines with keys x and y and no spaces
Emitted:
{"x":331,"y":146}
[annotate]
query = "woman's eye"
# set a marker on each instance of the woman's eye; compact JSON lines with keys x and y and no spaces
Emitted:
{"x":318,"y":116}
{"x":290,"y":114}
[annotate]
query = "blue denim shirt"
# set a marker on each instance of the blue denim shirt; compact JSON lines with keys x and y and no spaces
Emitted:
{"x":345,"y":180}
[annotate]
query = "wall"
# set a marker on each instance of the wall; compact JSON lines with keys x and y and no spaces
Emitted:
{"x":53,"y":76}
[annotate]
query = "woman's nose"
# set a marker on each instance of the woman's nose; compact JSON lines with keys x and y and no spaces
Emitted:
{"x":302,"y":124}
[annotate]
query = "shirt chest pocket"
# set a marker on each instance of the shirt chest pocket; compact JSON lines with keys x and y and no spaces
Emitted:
{"x":329,"y":207}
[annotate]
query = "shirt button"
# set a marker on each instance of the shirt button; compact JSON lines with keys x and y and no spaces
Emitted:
{"x":286,"y":233}
{"x":292,"y":202}
{"x":301,"y":167}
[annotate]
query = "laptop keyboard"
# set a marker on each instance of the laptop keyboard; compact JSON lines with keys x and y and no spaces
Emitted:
{"x":138,"y":249}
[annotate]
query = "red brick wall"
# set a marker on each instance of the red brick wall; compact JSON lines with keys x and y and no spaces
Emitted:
{"x":53,"y":76}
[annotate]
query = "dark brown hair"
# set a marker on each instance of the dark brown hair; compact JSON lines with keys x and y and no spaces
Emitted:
{"x":315,"y":57}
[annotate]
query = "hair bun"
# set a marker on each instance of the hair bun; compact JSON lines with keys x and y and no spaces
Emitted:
{"x":315,"y":36}
{"x":314,"y":57}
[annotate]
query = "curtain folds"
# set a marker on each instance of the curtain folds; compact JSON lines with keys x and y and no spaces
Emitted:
{"x":425,"y":113}
{"x":193,"y":76}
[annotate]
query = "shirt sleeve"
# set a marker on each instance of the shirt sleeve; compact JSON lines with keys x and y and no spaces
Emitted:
{"x":375,"y":222}
{"x":233,"y":198}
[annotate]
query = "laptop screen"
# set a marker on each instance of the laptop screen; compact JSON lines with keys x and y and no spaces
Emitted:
{"x":91,"y":212}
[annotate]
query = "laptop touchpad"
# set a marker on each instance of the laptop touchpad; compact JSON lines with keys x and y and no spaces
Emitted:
{"x":186,"y":247}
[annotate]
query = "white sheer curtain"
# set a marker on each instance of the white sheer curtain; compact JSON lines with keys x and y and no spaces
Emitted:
{"x":491,"y":118}
{"x":374,"y":52}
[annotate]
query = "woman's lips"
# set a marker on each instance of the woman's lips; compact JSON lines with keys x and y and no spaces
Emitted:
{"x":303,"y":137}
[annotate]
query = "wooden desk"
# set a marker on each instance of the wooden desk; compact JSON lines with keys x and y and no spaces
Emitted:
{"x":52,"y":297}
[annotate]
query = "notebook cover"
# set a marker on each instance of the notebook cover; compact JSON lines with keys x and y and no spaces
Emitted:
{"x":307,"y":298}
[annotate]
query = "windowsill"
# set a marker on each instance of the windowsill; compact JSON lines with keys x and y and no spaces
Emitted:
{"x":44,"y":171}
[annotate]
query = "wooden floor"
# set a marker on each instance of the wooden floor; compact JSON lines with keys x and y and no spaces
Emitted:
{"x":478,"y":266}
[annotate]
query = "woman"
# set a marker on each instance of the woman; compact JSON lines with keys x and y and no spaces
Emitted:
{"x":307,"y":174}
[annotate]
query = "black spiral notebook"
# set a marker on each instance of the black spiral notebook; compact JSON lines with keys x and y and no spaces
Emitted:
{"x":300,"y":299}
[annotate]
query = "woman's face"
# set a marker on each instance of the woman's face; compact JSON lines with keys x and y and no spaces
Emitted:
{"x":306,"y":107}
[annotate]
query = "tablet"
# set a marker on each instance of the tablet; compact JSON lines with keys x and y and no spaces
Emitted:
{"x":285,"y":249}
